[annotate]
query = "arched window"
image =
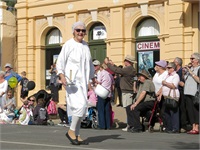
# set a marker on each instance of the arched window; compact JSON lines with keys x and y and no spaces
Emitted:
{"x":148,"y":27}
{"x":97,"y":32}
{"x":54,"y":37}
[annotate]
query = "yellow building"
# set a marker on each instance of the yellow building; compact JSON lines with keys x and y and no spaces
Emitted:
{"x":157,"y":29}
{"x":8,"y":49}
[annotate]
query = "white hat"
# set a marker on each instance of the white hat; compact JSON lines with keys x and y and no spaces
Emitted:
{"x":8,"y":65}
{"x":76,"y":24}
{"x":96,"y":63}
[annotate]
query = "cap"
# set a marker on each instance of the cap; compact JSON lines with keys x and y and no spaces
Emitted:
{"x":96,"y":63}
{"x":8,"y":65}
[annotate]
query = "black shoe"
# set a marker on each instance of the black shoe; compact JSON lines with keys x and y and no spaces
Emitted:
{"x":83,"y":142}
{"x":119,"y":105}
{"x":173,"y":131}
{"x":73,"y":141}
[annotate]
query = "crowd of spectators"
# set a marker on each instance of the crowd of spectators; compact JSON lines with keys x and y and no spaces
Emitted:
{"x":170,"y":78}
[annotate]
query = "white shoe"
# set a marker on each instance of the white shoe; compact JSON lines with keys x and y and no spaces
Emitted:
{"x":125,"y":129}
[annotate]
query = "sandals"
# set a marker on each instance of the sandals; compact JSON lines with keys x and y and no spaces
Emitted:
{"x":193,"y":132}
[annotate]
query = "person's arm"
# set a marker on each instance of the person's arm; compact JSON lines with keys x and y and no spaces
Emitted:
{"x":19,"y":78}
{"x":195,"y":77}
{"x":139,"y":99}
{"x":4,"y":88}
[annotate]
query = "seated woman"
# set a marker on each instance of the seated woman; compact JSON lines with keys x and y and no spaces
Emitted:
{"x":92,"y":97}
{"x":8,"y":106}
{"x":26,"y":111}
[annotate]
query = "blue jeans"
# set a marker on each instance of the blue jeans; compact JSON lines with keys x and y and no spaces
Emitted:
{"x":104,"y":115}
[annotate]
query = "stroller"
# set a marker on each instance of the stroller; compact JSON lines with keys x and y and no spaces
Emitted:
{"x":91,"y":119}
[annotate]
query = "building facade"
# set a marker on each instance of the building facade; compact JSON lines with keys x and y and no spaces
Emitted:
{"x":8,"y":49}
{"x":147,"y":29}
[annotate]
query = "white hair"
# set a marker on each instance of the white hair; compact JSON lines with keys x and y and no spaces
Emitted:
{"x":2,"y":73}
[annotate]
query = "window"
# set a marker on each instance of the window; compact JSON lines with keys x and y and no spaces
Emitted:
{"x":54,"y":37}
{"x":99,"y":32}
{"x":148,"y":27}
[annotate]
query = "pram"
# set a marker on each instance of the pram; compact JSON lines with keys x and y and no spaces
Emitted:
{"x":91,"y":119}
{"x":150,"y":116}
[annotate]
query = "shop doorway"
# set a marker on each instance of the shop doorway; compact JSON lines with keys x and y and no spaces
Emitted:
{"x":147,"y":45}
{"x":53,"y":48}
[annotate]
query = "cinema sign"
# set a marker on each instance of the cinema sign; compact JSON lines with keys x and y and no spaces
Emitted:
{"x":153,"y":45}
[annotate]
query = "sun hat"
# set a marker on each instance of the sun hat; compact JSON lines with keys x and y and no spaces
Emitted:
{"x":130,"y":59}
{"x":161,"y":63}
{"x":96,"y":63}
{"x":145,"y":74}
{"x":171,"y":65}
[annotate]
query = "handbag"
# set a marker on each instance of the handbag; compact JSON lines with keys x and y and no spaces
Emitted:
{"x":197,"y":96}
{"x":171,"y":102}
{"x":196,"y":99}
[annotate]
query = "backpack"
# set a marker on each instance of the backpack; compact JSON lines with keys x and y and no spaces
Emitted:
{"x":42,"y":114}
{"x":51,"y":109}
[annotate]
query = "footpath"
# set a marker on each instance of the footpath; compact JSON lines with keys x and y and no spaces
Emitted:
{"x":119,"y":117}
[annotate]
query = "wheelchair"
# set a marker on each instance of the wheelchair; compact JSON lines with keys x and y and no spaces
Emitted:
{"x":91,"y":120}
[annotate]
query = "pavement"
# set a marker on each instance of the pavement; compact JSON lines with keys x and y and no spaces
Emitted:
{"x":53,"y":137}
{"x":18,"y":137}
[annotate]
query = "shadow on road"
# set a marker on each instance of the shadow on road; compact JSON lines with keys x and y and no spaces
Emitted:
{"x":182,"y":145}
{"x":96,"y":139}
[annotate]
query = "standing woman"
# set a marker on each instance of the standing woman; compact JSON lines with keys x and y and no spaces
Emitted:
{"x":54,"y":86}
{"x":74,"y":65}
{"x":192,"y":79}
{"x":170,"y":86}
{"x":3,"y":86}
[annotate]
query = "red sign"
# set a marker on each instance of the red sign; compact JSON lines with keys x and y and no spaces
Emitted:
{"x":148,"y":45}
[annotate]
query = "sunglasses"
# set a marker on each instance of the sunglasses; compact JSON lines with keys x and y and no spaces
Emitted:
{"x":169,"y":67}
{"x":31,"y":100}
{"x":79,"y":30}
{"x":192,"y":58}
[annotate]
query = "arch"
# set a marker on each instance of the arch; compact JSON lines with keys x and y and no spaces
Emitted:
{"x":53,"y":36}
{"x":42,"y":32}
{"x":100,"y":18}
{"x":137,"y":17}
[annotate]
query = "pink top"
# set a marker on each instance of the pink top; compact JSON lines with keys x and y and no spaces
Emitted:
{"x":106,"y":80}
{"x":92,"y":98}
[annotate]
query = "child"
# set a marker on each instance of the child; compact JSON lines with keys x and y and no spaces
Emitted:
{"x":23,"y":83}
{"x":25,"y":113}
{"x":92,"y":98}
{"x":40,"y":114}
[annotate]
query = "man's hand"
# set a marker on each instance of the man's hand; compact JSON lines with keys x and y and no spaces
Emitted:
{"x":133,"y":106}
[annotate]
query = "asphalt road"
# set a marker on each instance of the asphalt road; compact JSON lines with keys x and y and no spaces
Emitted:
{"x":53,"y":137}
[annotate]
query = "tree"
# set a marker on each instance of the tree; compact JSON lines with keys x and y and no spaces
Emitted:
{"x":10,"y":3}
